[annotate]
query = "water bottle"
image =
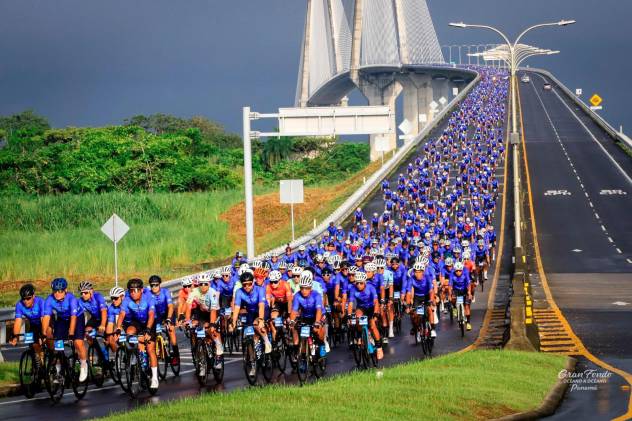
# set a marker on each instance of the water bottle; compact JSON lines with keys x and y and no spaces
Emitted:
{"x":258,"y":349}
{"x":323,"y":352}
{"x":143,"y":360}
{"x":106,"y":353}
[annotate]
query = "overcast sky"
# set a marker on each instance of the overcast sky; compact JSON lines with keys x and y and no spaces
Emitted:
{"x":89,"y":62}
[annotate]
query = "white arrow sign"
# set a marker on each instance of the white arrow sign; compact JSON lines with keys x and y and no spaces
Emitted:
{"x":557,"y":193}
{"x":115,"y":228}
{"x":405,"y":126}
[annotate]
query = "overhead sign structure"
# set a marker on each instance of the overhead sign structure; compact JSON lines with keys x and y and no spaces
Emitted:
{"x":595,"y":100}
{"x":115,"y":229}
{"x":291,"y":191}
{"x":331,"y":121}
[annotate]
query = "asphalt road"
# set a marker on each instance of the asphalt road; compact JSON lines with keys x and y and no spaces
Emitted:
{"x":582,"y":196}
{"x":110,"y":398}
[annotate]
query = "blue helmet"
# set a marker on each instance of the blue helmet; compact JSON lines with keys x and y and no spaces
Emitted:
{"x":59,"y":284}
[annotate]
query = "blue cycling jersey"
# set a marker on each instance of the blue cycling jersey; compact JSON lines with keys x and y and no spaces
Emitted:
{"x":307,"y":306}
{"x":113,"y":312}
{"x":94,"y":305}
{"x":226,"y":289}
{"x":139,"y":311}
{"x":461,"y":282}
{"x":399,"y":277}
{"x":161,"y":301}
{"x":250,"y":301}
{"x":376,"y":281}
{"x":63,"y":309}
{"x":422,"y":286}
{"x":33,"y":314}
{"x":365,"y":298}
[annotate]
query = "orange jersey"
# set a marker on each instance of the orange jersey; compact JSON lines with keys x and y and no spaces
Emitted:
{"x":279,"y":293}
{"x":468,"y":265}
{"x":183,"y":296}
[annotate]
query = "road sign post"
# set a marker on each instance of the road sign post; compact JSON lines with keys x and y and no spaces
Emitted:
{"x":291,"y":191}
{"x":115,"y":228}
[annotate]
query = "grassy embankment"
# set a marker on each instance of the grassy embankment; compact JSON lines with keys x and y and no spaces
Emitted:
{"x":171,"y":233}
{"x":471,"y":385}
{"x":9,"y":373}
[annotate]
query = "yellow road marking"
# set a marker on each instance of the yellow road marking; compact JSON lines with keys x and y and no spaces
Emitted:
{"x":582,"y":350}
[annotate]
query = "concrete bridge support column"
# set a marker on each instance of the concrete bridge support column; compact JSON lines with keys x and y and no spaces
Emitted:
{"x":417,"y":99}
{"x":381,"y":91}
{"x":441,"y":89}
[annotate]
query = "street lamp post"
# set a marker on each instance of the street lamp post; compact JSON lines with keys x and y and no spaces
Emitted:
{"x":514,"y":137}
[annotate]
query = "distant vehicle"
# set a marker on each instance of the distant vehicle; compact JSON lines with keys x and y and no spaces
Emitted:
{"x":547,"y":87}
{"x":525,"y":79}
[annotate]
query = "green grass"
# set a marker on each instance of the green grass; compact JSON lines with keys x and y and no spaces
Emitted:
{"x":9,"y":373}
{"x":471,"y":385}
{"x":49,"y":236}
{"x":625,"y":148}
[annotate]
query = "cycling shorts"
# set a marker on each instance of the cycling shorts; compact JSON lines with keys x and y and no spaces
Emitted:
{"x":282,"y":308}
{"x":201,"y":316}
{"x":61,"y":326}
{"x":462,"y":293}
{"x":366,"y":311}
{"x":139,"y":326}
{"x":421,"y":300}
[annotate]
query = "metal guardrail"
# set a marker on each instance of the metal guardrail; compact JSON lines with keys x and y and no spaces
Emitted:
{"x":341,"y":213}
{"x":593,"y":115}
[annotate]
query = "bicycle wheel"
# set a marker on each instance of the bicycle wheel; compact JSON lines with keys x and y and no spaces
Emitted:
{"x":28,"y":373}
{"x":302,"y":363}
{"x":429,"y":339}
{"x":267,"y":367}
{"x":96,"y":365}
{"x":250,"y":362}
{"x":120,"y":367}
{"x":74,"y":370}
{"x":174,"y":361}
{"x":201,"y":363}
{"x":355,"y":347}
{"x":133,"y":371}
{"x":161,"y":356}
{"x":281,"y":355}
{"x":320,"y":366}
{"x":218,"y":369}
{"x":461,"y":321}
{"x":55,"y":381}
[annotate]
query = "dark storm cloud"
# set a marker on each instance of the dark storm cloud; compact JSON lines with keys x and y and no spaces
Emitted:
{"x":82,"y":62}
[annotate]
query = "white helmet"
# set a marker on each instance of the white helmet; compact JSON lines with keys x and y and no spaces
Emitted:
{"x":458,"y":266}
{"x":243,"y":269}
{"x":216,"y":274}
{"x":274,"y":276}
{"x":186,"y":282}
{"x":306,"y":279}
{"x":353,"y":270}
{"x":380,"y":263}
{"x":360,"y":277}
{"x":257,"y":264}
{"x":227,"y":270}
{"x":370,"y":267}
{"x":467,"y":254}
{"x":116,"y":292}
{"x":419,"y":266}
{"x":297,"y":270}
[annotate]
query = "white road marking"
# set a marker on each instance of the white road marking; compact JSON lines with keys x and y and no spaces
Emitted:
{"x":620,"y":303}
{"x":577,"y":250}
{"x":619,"y":250}
{"x":603,"y":228}
{"x":610,"y":239}
{"x":629,"y":261}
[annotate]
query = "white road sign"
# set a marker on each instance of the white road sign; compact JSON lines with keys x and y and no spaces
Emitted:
{"x":423,"y":118}
{"x":578,"y":91}
{"x":291,"y":191}
{"x":442,"y":100}
{"x":455,"y":91}
{"x":433,"y":105}
{"x":381,"y":144}
{"x":405,"y":126}
{"x":115,"y":228}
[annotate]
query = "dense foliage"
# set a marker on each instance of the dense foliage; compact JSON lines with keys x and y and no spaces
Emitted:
{"x":156,"y":153}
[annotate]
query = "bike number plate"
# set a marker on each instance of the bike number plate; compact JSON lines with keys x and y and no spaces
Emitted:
{"x":396,"y":295}
{"x":420,"y":310}
{"x":133,"y":339}
{"x":122,"y":338}
{"x":249,"y":331}
{"x":327,"y":309}
{"x":92,"y":333}
{"x":28,"y":338}
{"x":59,"y":345}
{"x":305,"y":331}
{"x":459,"y":299}
{"x":200,"y":333}
{"x":228,"y":311}
{"x":364,"y":321}
{"x":278,"y":322}
{"x":158,"y":328}
{"x":243,"y":319}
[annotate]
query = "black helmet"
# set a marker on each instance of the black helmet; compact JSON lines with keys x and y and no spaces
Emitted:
{"x":246,"y":277}
{"x":154,"y":279}
{"x":27,"y":290}
{"x":435,"y":255}
{"x":134,"y":283}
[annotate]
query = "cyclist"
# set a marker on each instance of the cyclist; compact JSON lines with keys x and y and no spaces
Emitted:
{"x":481,"y":255}
{"x":164,"y":312}
{"x":421,"y":292}
{"x":279,"y":295}
{"x":116,"y":296}
{"x":205,"y":313}
{"x":30,"y":309}
{"x":365,"y":301}
{"x":183,"y":295}
{"x":138,"y":317}
{"x":460,"y":285}
{"x":68,"y":322}
{"x":253,"y":300}
{"x":309,"y":305}
{"x":94,"y":307}
{"x":387,"y":284}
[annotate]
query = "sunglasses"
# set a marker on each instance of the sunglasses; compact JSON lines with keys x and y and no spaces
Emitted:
{"x":115,"y":298}
{"x":186,"y":286}
{"x":274,"y":282}
{"x":58,"y":290}
{"x":296,"y":276}
{"x":134,"y":290}
{"x":85,"y":292}
{"x":247,"y":284}
{"x":226,"y":275}
{"x":27,"y":298}
{"x":154,"y":285}
{"x":203,"y":284}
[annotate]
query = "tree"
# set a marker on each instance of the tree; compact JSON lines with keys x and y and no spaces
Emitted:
{"x":275,"y":150}
{"x":26,"y":121}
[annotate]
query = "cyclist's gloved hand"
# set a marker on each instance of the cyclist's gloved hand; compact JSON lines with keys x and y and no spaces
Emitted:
{"x":101,"y":329}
